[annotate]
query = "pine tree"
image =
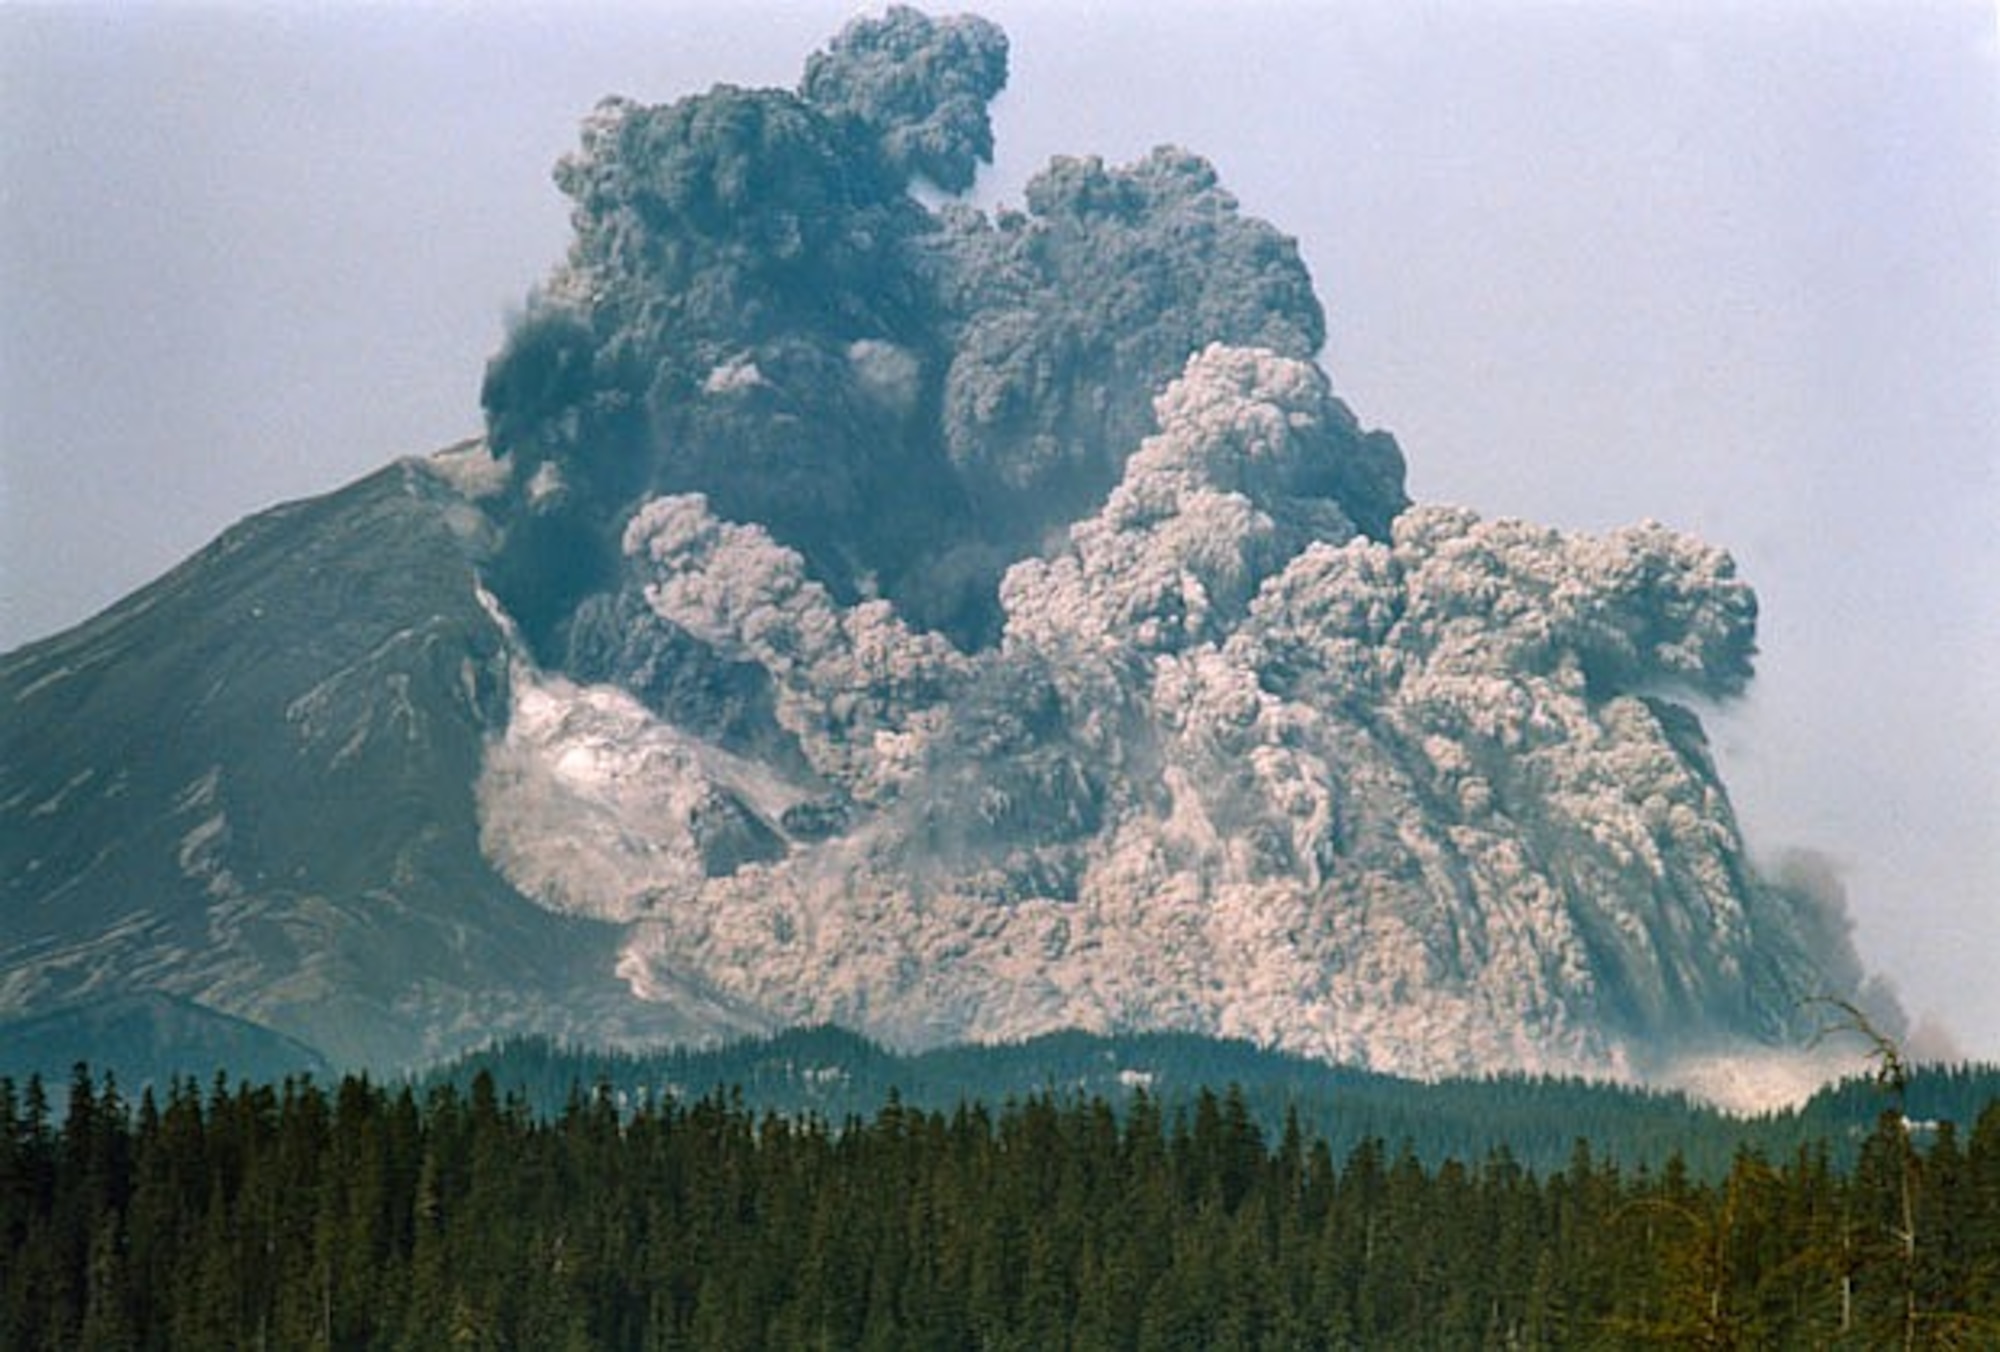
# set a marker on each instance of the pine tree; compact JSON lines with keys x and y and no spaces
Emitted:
{"x":107,"y":1319}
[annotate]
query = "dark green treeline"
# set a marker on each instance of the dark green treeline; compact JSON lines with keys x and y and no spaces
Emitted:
{"x":362,"y":1217}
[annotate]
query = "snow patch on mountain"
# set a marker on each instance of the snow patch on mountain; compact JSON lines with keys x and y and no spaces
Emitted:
{"x":203,"y":847}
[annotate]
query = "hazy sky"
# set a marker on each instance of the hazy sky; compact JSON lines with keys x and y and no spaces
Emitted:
{"x":1733,"y":267}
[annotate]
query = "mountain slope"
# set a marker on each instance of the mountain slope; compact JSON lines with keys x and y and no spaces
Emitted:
{"x":249,"y":784}
{"x":147,"y":1039}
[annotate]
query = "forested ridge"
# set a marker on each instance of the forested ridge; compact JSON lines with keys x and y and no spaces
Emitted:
{"x":836,"y":1074}
{"x":364,"y":1215}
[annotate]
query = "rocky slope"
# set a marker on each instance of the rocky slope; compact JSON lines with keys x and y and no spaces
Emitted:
{"x":249,"y":785}
{"x":950,"y":625}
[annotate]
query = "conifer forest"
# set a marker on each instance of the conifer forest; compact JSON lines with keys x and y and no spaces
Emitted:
{"x":401,"y":1216}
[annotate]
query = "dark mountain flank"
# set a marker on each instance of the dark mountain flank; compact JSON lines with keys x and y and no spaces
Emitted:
{"x":250,"y":785}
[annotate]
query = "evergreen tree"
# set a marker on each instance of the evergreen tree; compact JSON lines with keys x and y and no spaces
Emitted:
{"x":290,"y":1216}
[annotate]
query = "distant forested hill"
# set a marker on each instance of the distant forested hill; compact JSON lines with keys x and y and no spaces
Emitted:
{"x":835,"y":1075}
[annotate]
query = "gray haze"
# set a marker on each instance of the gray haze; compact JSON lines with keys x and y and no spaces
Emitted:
{"x":1738,"y":270}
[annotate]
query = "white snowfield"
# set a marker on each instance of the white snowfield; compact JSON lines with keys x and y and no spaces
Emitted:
{"x":1426,"y":806}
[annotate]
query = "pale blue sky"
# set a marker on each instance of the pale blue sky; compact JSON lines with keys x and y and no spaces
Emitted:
{"x":1734,"y":267}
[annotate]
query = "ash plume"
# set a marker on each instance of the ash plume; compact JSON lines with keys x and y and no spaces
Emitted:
{"x":755,"y":309}
{"x":949,"y":623}
{"x":1052,"y":644}
{"x":921,"y":86}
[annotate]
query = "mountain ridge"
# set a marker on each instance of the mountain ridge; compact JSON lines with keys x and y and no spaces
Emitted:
{"x":222,"y":858}
{"x":836,"y":1076}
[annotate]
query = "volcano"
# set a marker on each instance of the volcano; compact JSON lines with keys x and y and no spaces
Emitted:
{"x":862,"y":608}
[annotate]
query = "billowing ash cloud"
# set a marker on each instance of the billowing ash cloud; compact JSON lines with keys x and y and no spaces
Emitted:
{"x":920,"y":85}
{"x":854,"y":684}
{"x":1076,"y":313}
{"x":1240,"y":478}
{"x":756,"y":309}
{"x":962,"y":626}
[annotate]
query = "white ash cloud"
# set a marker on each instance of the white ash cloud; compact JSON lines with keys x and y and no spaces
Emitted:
{"x":1238,"y":767}
{"x":855,"y":684}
